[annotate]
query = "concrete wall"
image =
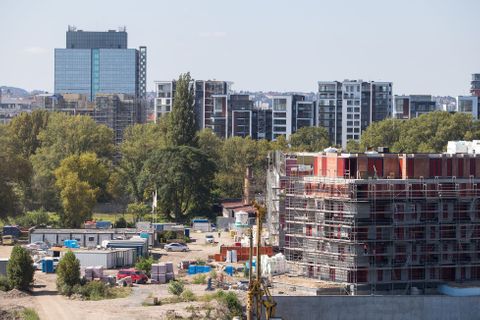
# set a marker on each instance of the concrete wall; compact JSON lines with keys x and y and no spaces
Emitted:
{"x":378,"y":307}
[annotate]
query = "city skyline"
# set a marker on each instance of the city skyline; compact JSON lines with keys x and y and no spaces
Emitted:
{"x":423,"y":48}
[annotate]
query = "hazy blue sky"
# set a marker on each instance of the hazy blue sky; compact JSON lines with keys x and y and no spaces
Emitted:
{"x":423,"y":46}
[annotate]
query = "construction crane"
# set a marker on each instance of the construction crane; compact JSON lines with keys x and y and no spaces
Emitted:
{"x":259,"y":296}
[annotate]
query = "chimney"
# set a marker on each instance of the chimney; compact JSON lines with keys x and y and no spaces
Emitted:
{"x":246,"y":185}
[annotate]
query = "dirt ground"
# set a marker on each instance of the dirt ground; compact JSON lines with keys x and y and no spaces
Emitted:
{"x":50,"y":305}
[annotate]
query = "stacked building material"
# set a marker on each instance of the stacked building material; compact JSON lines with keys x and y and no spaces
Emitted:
{"x":89,"y":273}
{"x":241,"y":252}
{"x":161,"y":274}
{"x":170,"y":274}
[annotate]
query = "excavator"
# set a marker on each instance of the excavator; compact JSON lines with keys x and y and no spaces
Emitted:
{"x":259,"y":298}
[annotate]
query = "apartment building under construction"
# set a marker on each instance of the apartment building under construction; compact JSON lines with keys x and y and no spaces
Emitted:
{"x":377,"y":222}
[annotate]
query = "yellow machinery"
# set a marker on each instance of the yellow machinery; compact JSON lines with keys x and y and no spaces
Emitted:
{"x":259,"y":296}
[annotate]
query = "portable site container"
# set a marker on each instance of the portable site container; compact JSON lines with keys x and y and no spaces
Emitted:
{"x":106,"y":258}
{"x":3,"y":266}
{"x":202,"y":225}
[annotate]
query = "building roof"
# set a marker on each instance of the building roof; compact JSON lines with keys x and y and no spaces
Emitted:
{"x":237,"y":206}
{"x":86,"y":231}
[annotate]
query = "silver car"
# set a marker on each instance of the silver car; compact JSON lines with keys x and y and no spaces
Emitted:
{"x":179,"y":247}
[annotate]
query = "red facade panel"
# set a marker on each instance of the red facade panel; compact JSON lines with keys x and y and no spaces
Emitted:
{"x":340,"y":167}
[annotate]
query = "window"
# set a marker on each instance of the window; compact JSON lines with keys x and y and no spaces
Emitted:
{"x":91,"y":238}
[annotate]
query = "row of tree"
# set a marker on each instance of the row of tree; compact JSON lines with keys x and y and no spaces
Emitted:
{"x":429,"y":132}
{"x":66,"y":164}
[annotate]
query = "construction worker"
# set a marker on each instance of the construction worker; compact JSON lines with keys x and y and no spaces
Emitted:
{"x":219,"y":234}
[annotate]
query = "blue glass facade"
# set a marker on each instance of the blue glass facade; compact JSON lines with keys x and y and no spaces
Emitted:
{"x":73,"y":71}
{"x":92,"y":71}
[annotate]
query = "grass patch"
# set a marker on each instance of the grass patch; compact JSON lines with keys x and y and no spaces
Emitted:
{"x":96,"y":290}
{"x":200,"y":278}
{"x":29,"y":314}
{"x":112,"y":217}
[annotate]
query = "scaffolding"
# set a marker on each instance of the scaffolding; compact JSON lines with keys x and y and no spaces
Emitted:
{"x":401,"y":236}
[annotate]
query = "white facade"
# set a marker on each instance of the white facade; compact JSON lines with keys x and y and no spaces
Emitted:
{"x":281,"y":116}
{"x":470,"y":147}
{"x":468,"y":104}
{"x":351,"y":111}
{"x":163,"y":98}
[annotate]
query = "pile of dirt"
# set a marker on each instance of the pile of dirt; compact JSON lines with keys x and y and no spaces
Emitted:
{"x":14,"y":294}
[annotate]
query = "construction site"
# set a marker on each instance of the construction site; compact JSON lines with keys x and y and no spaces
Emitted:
{"x":377,"y":223}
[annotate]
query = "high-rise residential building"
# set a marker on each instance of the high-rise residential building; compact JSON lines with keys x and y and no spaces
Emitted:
{"x":475,"y":85}
{"x":264,"y":123}
{"x":468,"y":105}
{"x":100,"y":62}
{"x":347,"y":108}
{"x":412,"y":106}
{"x":210,"y":104}
{"x":211,"y":98}
{"x":164,"y":94}
{"x":290,"y":113}
{"x":242,"y":117}
{"x":377,"y":223}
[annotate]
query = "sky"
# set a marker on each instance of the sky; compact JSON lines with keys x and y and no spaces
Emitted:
{"x":422,"y":46}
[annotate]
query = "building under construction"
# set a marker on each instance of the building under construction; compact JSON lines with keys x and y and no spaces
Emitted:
{"x":377,"y":222}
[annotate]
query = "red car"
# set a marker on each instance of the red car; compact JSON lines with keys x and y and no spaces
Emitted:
{"x":136,"y":275}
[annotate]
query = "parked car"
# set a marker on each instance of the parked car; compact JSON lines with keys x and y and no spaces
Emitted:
{"x":179,"y":247}
{"x":124,"y":282}
{"x":137,"y":276}
{"x":8,"y":240}
{"x":37,"y":245}
{"x":209,"y":239}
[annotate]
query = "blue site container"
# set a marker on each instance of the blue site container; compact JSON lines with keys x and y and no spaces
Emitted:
{"x":192,"y":269}
{"x":187,"y":233}
{"x":47,"y":266}
{"x":229,"y":270}
{"x":103,"y":225}
{"x":13,"y":231}
{"x":72,"y":244}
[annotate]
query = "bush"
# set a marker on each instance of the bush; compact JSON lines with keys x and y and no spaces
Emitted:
{"x":188,"y":296}
{"x":94,"y":290}
{"x":213,"y":274}
{"x":176,"y":287}
{"x":20,"y":269}
{"x":145,"y":264}
{"x":34,"y":218}
{"x":30,"y":314}
{"x":68,"y":273}
{"x":200,"y":278}
{"x":4,"y":284}
{"x":121,"y":223}
{"x":230,"y":300}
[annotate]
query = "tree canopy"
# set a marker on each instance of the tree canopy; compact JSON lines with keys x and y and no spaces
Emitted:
{"x":429,"y":132}
{"x":311,"y":139}
{"x":182,"y":127}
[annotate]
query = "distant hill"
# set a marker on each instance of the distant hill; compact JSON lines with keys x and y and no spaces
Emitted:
{"x":14,"y":92}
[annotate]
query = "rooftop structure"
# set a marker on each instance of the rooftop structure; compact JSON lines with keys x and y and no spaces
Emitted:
{"x":377,"y":222}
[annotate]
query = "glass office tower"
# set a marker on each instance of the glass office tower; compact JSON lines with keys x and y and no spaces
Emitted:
{"x":100,"y":62}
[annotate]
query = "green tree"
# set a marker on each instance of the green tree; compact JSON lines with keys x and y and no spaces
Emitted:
{"x":15,"y":173}
{"x":145,"y":264}
{"x":182,"y":128}
{"x":89,"y":168}
{"x":77,"y":198}
{"x":140,"y":141}
{"x":280,"y":143}
{"x":138,"y":210}
{"x":176,"y":287}
{"x":384,"y":133}
{"x":68,"y":273}
{"x":310,"y":139}
{"x":63,"y":136}
{"x":24,"y":132}
{"x":209,"y":143}
{"x":20,"y":269}
{"x":183,"y":178}
{"x":238,"y":154}
{"x":353,"y":146}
